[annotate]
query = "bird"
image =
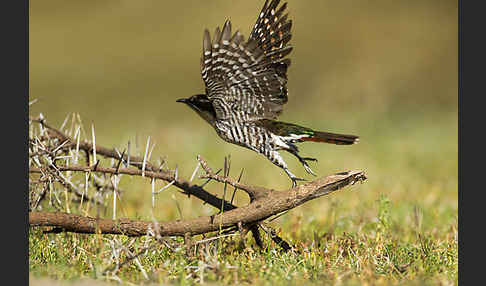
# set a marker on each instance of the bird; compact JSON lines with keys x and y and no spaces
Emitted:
{"x":246,"y":89}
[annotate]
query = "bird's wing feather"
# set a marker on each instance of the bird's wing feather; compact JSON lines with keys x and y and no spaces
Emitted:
{"x":249,"y":77}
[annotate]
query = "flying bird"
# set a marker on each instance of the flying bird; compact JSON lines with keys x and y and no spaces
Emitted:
{"x":246,"y":89}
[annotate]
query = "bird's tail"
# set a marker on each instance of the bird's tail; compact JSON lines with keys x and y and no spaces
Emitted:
{"x":332,"y":138}
{"x":306,"y":134}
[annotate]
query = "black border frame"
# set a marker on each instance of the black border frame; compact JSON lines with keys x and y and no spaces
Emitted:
{"x":15,"y":93}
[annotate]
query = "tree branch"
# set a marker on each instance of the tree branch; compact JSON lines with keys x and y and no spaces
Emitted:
{"x":150,"y":170}
{"x":254,"y":192}
{"x":260,"y":209}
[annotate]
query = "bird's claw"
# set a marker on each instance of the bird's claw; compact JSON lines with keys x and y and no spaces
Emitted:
{"x":308,"y":169}
{"x":306,"y":166}
{"x":294,"y":181}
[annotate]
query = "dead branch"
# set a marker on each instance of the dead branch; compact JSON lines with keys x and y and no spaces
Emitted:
{"x":253,"y":192}
{"x":185,"y":186}
{"x":273,"y":203}
{"x":150,"y":170}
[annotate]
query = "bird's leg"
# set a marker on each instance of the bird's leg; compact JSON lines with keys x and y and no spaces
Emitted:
{"x":303,"y":160}
{"x":275,"y":158}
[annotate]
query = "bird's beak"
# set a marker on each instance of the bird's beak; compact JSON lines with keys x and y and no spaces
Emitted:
{"x":181,"y":100}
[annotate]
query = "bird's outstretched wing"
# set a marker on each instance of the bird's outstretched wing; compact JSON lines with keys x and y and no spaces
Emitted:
{"x":249,"y":78}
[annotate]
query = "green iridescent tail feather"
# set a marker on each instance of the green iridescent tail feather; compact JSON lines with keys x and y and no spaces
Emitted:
{"x":289,"y":129}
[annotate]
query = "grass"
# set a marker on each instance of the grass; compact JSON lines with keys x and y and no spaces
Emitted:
{"x":400,"y":227}
{"x":374,"y":256}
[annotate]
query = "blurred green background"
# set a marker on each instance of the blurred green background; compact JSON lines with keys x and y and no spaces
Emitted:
{"x":383,"y":70}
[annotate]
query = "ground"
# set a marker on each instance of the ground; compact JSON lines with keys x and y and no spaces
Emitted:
{"x":400,"y":225}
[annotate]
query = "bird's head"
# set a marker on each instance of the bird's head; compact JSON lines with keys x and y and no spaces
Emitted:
{"x":202,"y":105}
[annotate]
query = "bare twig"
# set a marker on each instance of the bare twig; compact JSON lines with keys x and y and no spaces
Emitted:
{"x":253,"y":192}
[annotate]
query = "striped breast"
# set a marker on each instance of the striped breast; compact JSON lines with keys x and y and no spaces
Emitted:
{"x":244,"y":134}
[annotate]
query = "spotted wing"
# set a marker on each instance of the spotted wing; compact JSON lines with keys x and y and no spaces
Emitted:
{"x":248,"y":78}
{"x":272,"y":33}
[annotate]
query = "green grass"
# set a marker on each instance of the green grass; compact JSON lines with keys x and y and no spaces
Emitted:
{"x":399,"y":227}
{"x":383,"y":252}
{"x":375,"y":256}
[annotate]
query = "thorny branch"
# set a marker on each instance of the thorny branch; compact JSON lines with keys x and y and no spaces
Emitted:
{"x":264,"y":203}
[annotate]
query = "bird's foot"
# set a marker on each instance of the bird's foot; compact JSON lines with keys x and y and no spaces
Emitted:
{"x":294,"y":181}
{"x":309,"y":159}
{"x":293,"y":177}
{"x":308,"y":169}
{"x":306,"y":166}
